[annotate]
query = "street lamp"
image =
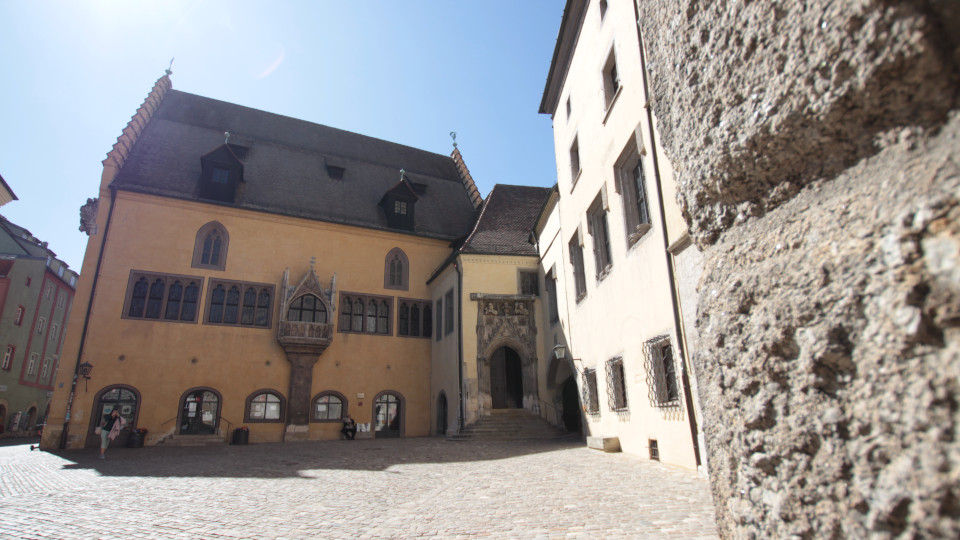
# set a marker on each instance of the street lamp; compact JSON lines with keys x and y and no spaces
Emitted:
{"x":84,"y":370}
{"x":560,"y":351}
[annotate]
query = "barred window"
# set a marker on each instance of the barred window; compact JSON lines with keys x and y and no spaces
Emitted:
{"x":661,"y":372}
{"x":616,"y":385}
{"x":415,"y":318}
{"x":366,"y":314}
{"x":162,"y":297}
{"x":225,"y":307}
{"x":590,"y":398}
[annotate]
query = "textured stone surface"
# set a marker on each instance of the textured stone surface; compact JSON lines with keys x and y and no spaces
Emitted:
{"x":816,"y":148}
{"x":758,"y":98}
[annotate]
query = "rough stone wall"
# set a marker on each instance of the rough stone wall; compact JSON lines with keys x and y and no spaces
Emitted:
{"x":816,"y":147}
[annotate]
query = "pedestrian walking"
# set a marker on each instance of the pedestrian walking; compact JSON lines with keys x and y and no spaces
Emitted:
{"x":349,"y":430}
{"x":109,"y":429}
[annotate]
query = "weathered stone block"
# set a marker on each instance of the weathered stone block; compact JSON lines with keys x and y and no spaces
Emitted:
{"x":607,"y":444}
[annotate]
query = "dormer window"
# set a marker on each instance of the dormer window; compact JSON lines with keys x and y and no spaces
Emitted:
{"x":398,"y":205}
{"x":222,"y":174}
{"x":335,"y":173}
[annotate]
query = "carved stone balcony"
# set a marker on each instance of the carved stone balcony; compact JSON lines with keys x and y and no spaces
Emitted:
{"x":304,"y":337}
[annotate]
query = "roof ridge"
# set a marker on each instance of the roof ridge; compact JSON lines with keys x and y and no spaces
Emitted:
{"x":128,"y":137}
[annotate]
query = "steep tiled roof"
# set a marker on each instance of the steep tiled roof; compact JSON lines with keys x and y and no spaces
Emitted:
{"x":285,"y":167}
{"x":508,"y":216}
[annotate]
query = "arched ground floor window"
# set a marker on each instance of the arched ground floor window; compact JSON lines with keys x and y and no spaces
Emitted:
{"x":121,"y":397}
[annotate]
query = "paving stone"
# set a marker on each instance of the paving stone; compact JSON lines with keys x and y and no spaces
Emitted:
{"x":350,"y":489}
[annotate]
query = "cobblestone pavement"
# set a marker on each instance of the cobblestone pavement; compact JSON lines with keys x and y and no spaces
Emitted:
{"x":401,"y":488}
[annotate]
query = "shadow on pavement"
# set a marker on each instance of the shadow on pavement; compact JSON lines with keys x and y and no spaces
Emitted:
{"x":285,"y":460}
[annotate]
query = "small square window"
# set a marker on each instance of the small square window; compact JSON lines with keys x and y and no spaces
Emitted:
{"x":400,"y":208}
{"x":220,"y":176}
{"x":529,"y":283}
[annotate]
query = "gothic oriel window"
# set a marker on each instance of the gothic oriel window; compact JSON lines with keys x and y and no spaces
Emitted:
{"x":307,"y":308}
{"x":396,"y":270}
{"x":210,"y":248}
{"x":238,"y":303}
{"x":162,"y":297}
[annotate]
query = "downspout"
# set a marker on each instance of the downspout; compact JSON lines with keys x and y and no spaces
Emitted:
{"x":86,"y":320}
{"x":685,"y":378}
{"x":460,"y":412}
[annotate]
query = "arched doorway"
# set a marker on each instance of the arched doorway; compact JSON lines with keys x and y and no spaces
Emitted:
{"x":506,"y":379}
{"x":442,"y":414}
{"x":200,"y":412}
{"x":388,"y":415}
{"x":571,"y":405}
{"x":122,"y":398}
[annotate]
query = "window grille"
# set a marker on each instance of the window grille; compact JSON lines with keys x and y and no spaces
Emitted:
{"x":661,"y":372}
{"x":590,"y":397}
{"x":616,"y":385}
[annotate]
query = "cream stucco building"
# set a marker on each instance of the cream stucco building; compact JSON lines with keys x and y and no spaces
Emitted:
{"x":615,"y":243}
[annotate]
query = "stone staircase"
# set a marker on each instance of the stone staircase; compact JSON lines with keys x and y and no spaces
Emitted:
{"x":192,"y":440}
{"x":512,"y":424}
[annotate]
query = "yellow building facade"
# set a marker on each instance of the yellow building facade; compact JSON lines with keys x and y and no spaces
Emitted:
{"x":267,"y":304}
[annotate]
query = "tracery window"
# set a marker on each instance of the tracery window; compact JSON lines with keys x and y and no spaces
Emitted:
{"x":210,"y":249}
{"x":364,"y":313}
{"x":162,"y":297}
{"x":414,"y":318}
{"x":224,"y":303}
{"x":396,"y":270}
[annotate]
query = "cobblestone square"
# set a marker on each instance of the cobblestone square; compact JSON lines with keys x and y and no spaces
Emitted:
{"x":401,"y":488}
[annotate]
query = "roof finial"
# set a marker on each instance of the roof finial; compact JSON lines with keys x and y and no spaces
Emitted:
{"x":402,"y":172}
{"x":313,"y":261}
{"x":226,"y":137}
{"x":169,"y":70}
{"x":453,"y":135}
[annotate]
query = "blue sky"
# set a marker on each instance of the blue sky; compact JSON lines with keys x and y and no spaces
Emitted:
{"x":405,"y":71}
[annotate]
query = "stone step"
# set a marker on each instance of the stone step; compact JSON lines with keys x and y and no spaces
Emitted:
{"x":511,"y":424}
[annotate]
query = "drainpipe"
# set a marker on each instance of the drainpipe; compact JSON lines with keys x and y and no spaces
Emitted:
{"x":460,"y":412}
{"x":685,"y":378}
{"x":86,"y":320}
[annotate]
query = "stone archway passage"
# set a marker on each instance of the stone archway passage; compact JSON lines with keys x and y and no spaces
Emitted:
{"x":506,"y":379}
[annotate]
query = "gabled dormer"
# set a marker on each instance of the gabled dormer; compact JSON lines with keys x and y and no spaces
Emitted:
{"x":398,"y":204}
{"x":222,"y":173}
